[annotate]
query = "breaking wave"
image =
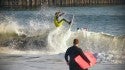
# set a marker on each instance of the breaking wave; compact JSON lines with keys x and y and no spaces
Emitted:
{"x":37,"y":36}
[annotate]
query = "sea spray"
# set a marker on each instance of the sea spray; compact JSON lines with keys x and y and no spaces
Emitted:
{"x":57,"y":39}
{"x":8,"y":26}
{"x":30,"y":31}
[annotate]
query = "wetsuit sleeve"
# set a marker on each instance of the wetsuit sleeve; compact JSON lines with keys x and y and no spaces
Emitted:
{"x":83,"y":56}
{"x":66,"y":55}
{"x":61,"y":14}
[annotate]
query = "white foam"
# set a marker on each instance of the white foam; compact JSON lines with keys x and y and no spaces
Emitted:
{"x":57,"y":39}
{"x":9,"y":26}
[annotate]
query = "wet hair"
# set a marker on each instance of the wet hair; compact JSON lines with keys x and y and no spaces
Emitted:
{"x":57,"y":13}
{"x":76,"y":41}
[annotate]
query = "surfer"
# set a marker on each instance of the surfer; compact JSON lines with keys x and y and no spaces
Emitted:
{"x":72,"y":52}
{"x":58,"y":22}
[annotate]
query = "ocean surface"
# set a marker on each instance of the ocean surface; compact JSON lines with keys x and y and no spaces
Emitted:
{"x":30,"y":41}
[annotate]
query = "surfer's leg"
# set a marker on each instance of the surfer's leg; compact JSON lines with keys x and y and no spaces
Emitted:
{"x":64,"y":20}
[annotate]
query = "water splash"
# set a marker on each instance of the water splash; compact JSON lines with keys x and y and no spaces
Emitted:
{"x":40,"y":36}
{"x":57,"y":39}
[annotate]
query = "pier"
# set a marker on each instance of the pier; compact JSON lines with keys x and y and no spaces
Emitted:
{"x":38,"y":3}
{"x":20,"y":3}
{"x":84,"y":2}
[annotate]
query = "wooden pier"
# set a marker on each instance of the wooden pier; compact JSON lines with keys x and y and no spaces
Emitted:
{"x":84,"y":2}
{"x":38,"y":3}
{"x":20,"y":3}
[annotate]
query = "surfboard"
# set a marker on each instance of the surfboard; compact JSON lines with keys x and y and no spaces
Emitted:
{"x":71,"y":21}
{"x":68,"y":17}
{"x":82,"y":63}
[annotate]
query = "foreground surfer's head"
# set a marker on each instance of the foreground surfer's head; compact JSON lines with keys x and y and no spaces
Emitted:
{"x":76,"y":42}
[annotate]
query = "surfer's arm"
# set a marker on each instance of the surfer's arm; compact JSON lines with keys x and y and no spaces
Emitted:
{"x":84,"y":57}
{"x":66,"y":56}
{"x":61,"y":14}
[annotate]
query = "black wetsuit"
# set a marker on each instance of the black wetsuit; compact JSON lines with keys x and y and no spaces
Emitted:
{"x":72,"y":52}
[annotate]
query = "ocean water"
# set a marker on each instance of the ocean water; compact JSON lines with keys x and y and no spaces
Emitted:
{"x":32,"y":34}
{"x":45,"y":62}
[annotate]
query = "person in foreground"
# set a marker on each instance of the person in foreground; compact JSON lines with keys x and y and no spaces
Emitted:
{"x":72,"y":52}
{"x":58,"y":22}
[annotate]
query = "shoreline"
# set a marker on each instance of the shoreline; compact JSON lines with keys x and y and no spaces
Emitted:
{"x":45,"y":62}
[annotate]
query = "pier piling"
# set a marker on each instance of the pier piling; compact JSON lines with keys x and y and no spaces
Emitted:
{"x":38,"y":3}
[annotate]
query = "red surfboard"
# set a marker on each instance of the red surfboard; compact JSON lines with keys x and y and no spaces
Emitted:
{"x":82,"y":63}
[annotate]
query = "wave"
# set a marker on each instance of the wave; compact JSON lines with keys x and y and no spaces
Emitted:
{"x":39,"y":36}
{"x":89,"y":40}
{"x":107,"y":48}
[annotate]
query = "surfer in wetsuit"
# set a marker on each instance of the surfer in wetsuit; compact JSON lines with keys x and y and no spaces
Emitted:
{"x":56,"y":19}
{"x":72,"y":52}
